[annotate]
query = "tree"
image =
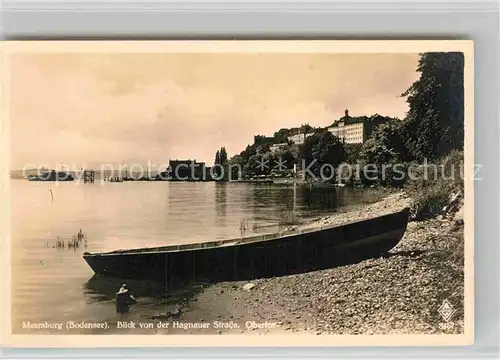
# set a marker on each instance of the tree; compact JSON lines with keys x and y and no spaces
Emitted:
{"x":281,"y":136}
{"x":248,"y":152}
{"x":217,"y":158}
{"x":435,"y":121}
{"x":306,"y":128}
{"x":221,"y":162}
{"x":288,"y":158}
{"x":262,"y":149}
{"x":243,"y":158}
{"x":386,"y":145}
{"x":384,"y":151}
{"x":223,"y":156}
{"x":255,"y":166}
{"x":320,"y":149}
{"x":352,"y":152}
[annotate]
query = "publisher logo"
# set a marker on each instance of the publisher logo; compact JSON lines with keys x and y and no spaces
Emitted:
{"x":446,"y":310}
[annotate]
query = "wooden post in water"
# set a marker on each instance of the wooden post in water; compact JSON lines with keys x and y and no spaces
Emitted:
{"x":88,"y":176}
{"x":294,"y":197}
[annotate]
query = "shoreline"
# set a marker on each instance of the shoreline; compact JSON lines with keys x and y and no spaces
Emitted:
{"x":397,"y":293}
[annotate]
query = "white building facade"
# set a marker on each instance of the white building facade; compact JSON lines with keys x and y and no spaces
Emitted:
{"x":350,"y":134}
{"x":299,"y":138}
{"x":350,"y":130}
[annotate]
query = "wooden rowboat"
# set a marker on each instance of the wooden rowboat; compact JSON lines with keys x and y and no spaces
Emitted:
{"x":257,"y":256}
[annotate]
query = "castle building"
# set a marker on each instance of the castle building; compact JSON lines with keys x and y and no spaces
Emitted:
{"x":278,"y":147}
{"x":355,"y":130}
{"x":263,"y":140}
{"x":299,"y":135}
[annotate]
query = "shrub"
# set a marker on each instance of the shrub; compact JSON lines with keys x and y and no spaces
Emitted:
{"x":430,"y":203}
{"x":287,"y":217}
{"x":453,"y":168}
{"x":432,"y":194}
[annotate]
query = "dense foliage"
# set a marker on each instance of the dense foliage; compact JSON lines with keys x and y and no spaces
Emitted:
{"x":221,"y":161}
{"x":352,"y":153}
{"x":432,"y":191}
{"x":433,"y":127}
{"x":322,"y":148}
{"x":435,"y":122}
{"x":386,"y":145}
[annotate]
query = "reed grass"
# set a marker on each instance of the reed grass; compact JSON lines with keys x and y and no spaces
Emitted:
{"x":288,"y":217}
{"x":80,"y":239}
{"x":256,"y":227}
{"x":243,"y":226}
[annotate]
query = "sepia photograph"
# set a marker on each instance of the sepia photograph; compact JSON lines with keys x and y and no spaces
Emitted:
{"x":239,"y":190}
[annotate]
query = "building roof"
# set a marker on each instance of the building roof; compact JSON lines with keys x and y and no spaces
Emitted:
{"x":294,"y":131}
{"x":349,"y":120}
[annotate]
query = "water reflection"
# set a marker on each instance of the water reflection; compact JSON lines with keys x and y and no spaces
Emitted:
{"x":221,"y":203}
{"x":101,"y":288}
{"x":302,"y":199}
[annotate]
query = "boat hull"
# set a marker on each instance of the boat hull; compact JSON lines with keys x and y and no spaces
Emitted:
{"x":296,"y":253}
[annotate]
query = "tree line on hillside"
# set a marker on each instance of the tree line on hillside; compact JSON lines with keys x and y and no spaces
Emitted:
{"x":432,"y":128}
{"x":434,"y":125}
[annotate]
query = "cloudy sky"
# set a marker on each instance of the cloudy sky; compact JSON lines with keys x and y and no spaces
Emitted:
{"x":89,"y":109}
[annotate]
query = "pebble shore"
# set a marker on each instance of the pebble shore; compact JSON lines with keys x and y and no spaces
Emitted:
{"x":400,"y":293}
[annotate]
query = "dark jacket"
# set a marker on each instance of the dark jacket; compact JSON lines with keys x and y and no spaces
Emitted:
{"x":123,"y":301}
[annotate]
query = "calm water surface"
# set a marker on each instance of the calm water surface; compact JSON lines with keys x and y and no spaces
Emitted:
{"x":51,"y":284}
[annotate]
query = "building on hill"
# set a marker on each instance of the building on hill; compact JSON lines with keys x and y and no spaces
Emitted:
{"x":186,"y":170}
{"x":281,"y":136}
{"x":263,"y":140}
{"x":351,"y":130}
{"x":298,"y":135}
{"x":356,"y":130}
{"x":277,"y":147}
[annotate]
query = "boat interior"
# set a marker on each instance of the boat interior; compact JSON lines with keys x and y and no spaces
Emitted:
{"x":297,"y":230}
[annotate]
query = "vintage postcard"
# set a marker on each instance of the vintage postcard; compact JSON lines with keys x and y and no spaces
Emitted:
{"x":235,"y":193}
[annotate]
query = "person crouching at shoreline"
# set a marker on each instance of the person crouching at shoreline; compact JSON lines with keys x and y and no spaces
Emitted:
{"x":124,"y":299}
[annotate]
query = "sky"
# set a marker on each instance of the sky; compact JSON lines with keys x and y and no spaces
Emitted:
{"x":84,"y":110}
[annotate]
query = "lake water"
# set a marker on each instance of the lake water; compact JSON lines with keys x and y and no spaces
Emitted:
{"x":51,"y":284}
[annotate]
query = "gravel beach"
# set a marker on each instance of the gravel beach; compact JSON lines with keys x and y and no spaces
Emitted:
{"x":400,"y":293}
